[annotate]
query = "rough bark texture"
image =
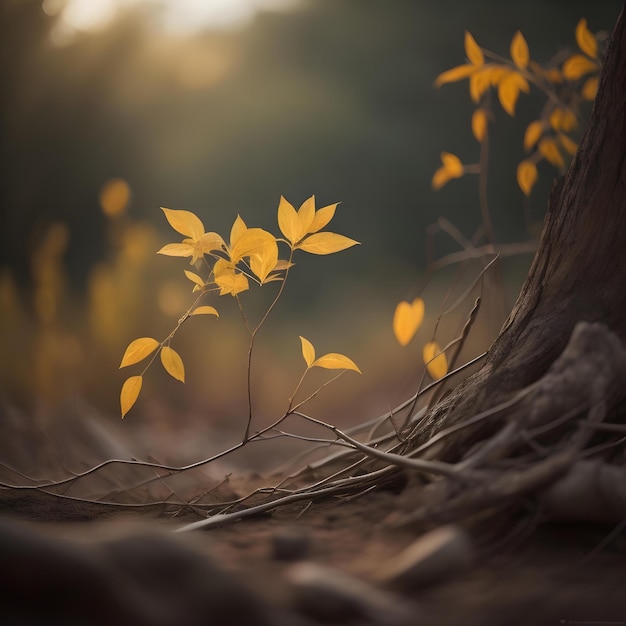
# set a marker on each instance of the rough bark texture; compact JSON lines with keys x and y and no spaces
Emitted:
{"x":579,"y":271}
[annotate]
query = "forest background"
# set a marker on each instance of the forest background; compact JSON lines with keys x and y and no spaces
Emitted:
{"x":103,"y":122}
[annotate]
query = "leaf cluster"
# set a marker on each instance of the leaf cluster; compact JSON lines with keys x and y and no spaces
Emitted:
{"x":228,"y":268}
{"x":567,"y":83}
{"x":252,"y":253}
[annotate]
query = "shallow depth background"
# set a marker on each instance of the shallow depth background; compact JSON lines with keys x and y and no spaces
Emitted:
{"x":220,"y":111}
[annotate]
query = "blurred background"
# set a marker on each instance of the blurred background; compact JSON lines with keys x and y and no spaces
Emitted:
{"x":110,"y":109}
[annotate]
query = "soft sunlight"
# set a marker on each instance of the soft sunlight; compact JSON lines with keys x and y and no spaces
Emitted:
{"x":182,"y":17}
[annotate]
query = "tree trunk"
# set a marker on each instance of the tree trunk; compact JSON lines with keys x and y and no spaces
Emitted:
{"x":579,"y":271}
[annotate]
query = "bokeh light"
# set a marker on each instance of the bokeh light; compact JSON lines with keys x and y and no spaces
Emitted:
{"x":173,"y":298}
{"x":114,"y":197}
{"x":180,"y":17}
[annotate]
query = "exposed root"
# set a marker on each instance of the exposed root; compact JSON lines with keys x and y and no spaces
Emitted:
{"x":550,"y":442}
{"x":589,"y":378}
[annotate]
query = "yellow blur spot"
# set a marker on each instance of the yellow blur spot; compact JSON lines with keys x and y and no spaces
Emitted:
{"x":48,"y":272}
{"x":172,"y":298}
{"x":201,"y":67}
{"x":114,"y":197}
{"x":139,"y":241}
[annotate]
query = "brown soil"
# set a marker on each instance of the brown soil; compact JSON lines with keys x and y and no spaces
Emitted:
{"x":57,"y":545}
{"x":555,"y":576}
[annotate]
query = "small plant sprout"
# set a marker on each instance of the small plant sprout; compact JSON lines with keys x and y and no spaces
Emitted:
{"x":250,"y":256}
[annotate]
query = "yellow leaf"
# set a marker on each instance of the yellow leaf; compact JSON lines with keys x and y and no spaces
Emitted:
{"x":586,"y":40}
{"x":563,"y":119}
{"x":453,"y":164}
{"x":479,"y":124}
{"x":138,"y":350}
{"x":264,"y":262}
{"x":577,"y":66}
{"x":526,"y":176}
{"x":227,"y":279}
{"x":407,"y":318}
{"x":556,"y":118}
{"x":567,"y":143}
{"x":194,"y":278}
{"x":232,"y":284}
{"x":306,"y":214}
{"x":326,"y":243}
{"x":452,"y":168}
{"x":251,"y":242}
{"x":590,"y":88}
{"x":519,"y":51}
{"x":237,"y":231}
{"x":282,"y":264}
{"x":532,"y":135}
{"x":334,"y":361}
{"x":508,"y":91}
{"x":264,"y":259}
{"x":456,"y":73}
{"x":549,"y":151}
{"x":308,"y":351}
{"x":205,"y":310}
{"x":440,"y":178}
{"x":473,"y":51}
{"x":435,"y":360}
{"x":322,"y":217}
{"x":260,"y":247}
{"x":568,"y":120}
{"x":496,"y":73}
{"x":172,"y":363}
{"x":273,"y":278}
{"x":176,"y":249}
{"x":554,"y":76}
{"x":184,"y":222}
{"x":295,"y":225}
{"x":479,"y":82}
{"x":289,"y":221}
{"x":209,"y":242}
{"x":130,"y":393}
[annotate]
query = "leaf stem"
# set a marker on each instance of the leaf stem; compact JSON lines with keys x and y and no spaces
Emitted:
{"x":253,"y":334}
{"x":482,"y":189}
{"x":167,"y":340}
{"x":498,"y":277}
{"x":292,"y":410}
{"x":295,"y":391}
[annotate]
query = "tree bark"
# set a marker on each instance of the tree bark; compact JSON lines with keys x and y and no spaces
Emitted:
{"x":579,"y":271}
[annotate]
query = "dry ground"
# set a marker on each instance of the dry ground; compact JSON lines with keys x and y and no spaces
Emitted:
{"x":556,"y":574}
{"x":522,"y":573}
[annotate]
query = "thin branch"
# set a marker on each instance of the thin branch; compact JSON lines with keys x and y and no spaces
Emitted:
{"x":470,"y":288}
{"x":253,"y":335}
{"x":229,"y":518}
{"x":504,"y":250}
{"x":432,"y":467}
{"x":482,"y":189}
